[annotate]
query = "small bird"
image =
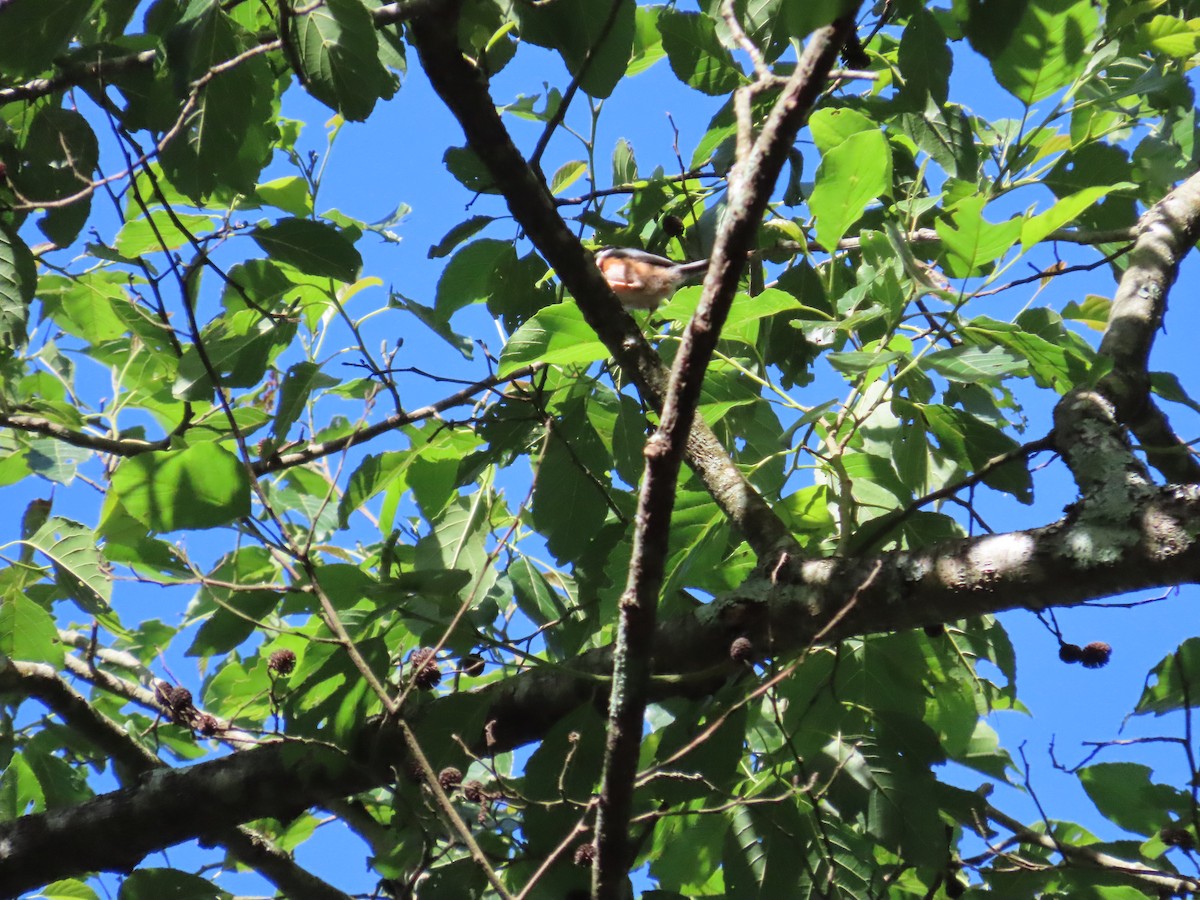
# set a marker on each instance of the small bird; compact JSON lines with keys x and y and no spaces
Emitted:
{"x":642,"y":280}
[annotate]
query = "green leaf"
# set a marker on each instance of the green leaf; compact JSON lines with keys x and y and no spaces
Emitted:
{"x":568,"y":503}
{"x":467,"y":278}
{"x":595,"y":51}
{"x":28,"y":632}
{"x":290,"y":193}
{"x":1063,"y":211}
{"x":856,"y":362}
{"x":459,"y":233}
{"x":36,"y":514}
{"x":54,"y":460}
{"x":314,"y":248}
{"x":338,"y":52}
{"x":18,"y":281}
{"x":1170,"y":685}
{"x":299,"y":382}
{"x":239,"y":346}
{"x":971,"y":442}
{"x":925,"y":61}
{"x":647,"y":40}
{"x":33,"y":39}
{"x":466,"y":166}
{"x":624,"y":163}
{"x":1056,"y":359}
{"x":945,"y":134}
{"x":375,"y":473}
{"x":1092,"y":312}
{"x":1125,"y":795}
{"x":161,"y":884}
{"x":557,"y":335}
{"x":72,"y":549}
{"x":87,"y":307}
{"x":159,"y":232}
{"x":227,"y":138}
{"x":1049,"y":48}
{"x":567,"y":174}
{"x":851,"y":175}
{"x":686,"y":854}
{"x":533,"y":593}
{"x":68,"y":889}
{"x":972,"y":365}
{"x":200,"y":487}
{"x":695,"y":52}
{"x":805,"y":16}
{"x":972,"y":241}
{"x":1173,"y":36}
{"x":20,"y":792}
{"x":833,"y":127}
{"x":62,"y":151}
{"x":233,"y":621}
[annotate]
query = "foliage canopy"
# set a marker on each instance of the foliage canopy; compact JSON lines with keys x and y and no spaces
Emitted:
{"x":711,"y":597}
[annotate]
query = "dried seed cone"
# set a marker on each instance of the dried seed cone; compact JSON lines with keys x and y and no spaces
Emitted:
{"x":423,"y":664}
{"x":282,"y":662}
{"x":1096,"y":655}
{"x":585,"y":854}
{"x":741,"y":650}
{"x":1070,"y":653}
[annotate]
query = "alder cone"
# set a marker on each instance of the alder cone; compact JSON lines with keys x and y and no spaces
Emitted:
{"x":1070,"y":653}
{"x":425,"y":671}
{"x":282,"y":661}
{"x":585,"y":854}
{"x":1095,"y":655}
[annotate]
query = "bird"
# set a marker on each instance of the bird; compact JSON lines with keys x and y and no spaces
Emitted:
{"x":642,"y":280}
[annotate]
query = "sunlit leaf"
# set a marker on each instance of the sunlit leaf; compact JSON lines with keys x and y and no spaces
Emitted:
{"x":28,"y":632}
{"x":200,"y":487}
{"x":558,"y":334}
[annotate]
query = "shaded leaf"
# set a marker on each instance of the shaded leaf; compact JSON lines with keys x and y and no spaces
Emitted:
{"x":314,"y":248}
{"x":18,"y":280}
{"x":696,"y":54}
{"x":338,"y":51}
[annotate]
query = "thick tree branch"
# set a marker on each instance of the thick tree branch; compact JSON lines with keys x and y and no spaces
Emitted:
{"x":83,"y":439}
{"x":132,"y":760}
{"x":75,"y":74}
{"x":168,"y":806}
{"x":751,"y":184}
{"x":1168,"y":230}
{"x":463,"y":89}
{"x":1153,"y":544}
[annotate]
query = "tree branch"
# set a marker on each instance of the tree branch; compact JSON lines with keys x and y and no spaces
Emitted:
{"x":275,"y":462}
{"x":1158,"y":882}
{"x":71,"y":75}
{"x":1152,"y":544}
{"x":462,"y":88}
{"x":753,"y":180}
{"x":1167,"y":231}
{"x":132,"y":760}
